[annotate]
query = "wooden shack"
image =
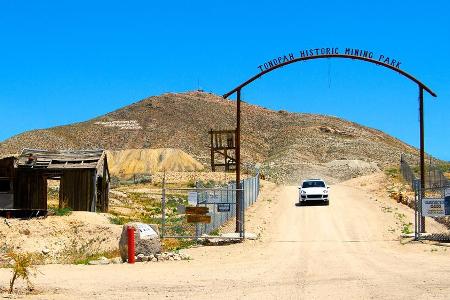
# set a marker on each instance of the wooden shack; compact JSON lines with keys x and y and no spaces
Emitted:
{"x":7,"y":176}
{"x":83,"y":175}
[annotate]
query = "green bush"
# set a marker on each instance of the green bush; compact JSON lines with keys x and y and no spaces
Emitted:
{"x":66,"y":211}
{"x":392,"y":172}
{"x":118,"y":220}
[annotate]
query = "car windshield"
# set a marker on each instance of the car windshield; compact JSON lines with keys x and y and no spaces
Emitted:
{"x":311,"y":184}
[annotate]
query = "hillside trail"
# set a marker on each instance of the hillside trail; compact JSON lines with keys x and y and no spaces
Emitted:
{"x":347,"y":250}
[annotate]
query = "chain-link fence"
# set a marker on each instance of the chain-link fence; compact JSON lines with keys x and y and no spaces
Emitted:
{"x":434,"y":177}
{"x":206,"y":211}
{"x":434,"y":205}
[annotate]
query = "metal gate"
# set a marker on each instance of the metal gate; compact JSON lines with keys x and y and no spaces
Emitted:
{"x":193,"y":213}
{"x":432,"y":203}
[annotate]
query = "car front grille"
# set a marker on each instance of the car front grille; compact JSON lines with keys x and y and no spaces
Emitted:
{"x":314,"y":196}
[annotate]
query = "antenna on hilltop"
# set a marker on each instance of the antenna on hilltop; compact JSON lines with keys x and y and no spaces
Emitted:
{"x":198,"y":86}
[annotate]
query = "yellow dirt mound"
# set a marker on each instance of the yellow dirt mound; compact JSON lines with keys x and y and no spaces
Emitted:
{"x":125,"y":163}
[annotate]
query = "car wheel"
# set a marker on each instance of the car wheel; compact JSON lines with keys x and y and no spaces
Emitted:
{"x":327,"y":202}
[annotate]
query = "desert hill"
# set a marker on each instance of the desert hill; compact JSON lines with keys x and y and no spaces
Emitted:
{"x":125,"y":163}
{"x":288,"y":145}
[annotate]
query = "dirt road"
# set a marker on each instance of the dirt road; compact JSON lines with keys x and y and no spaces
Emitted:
{"x":348,"y":250}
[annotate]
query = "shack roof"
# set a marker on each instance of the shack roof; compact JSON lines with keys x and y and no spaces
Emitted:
{"x":61,"y":159}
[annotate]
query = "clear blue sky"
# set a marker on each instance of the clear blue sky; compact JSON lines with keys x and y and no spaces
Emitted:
{"x":69,"y":61}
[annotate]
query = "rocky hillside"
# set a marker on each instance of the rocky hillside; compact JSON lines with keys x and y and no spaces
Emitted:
{"x":289,"y":145}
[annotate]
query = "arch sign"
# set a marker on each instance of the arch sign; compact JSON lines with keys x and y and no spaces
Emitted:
{"x":388,"y":62}
{"x":331,"y":51}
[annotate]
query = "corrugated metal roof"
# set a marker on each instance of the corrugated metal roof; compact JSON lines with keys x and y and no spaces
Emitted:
{"x":60,"y":159}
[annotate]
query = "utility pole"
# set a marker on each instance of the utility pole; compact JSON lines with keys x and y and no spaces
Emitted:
{"x":422,"y":156}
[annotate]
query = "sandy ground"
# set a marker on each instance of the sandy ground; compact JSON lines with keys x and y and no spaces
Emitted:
{"x":348,"y":250}
{"x":62,"y":236}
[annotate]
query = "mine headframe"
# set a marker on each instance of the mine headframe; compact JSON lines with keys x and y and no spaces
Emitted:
{"x":223,"y":150}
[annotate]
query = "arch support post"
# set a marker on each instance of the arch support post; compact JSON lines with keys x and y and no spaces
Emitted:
{"x":239,"y":206}
{"x":422,"y":157}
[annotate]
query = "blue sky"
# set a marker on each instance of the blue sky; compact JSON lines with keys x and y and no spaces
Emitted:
{"x":69,"y":61}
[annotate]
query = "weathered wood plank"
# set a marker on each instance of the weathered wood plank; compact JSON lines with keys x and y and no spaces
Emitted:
{"x":193,"y":210}
{"x":198,"y":219}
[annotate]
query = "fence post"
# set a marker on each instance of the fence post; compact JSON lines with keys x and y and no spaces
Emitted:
{"x":196,"y":224}
{"x":163,"y":207}
{"x":242,"y":234}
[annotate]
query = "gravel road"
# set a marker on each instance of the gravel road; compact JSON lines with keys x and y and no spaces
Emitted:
{"x":348,"y":250}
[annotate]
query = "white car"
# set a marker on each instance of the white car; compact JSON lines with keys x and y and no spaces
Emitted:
{"x":313,"y":190}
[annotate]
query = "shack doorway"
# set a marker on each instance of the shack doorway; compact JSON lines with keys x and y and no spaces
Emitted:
{"x":53,"y":194}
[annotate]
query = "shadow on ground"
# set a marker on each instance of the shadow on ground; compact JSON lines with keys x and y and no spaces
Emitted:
{"x":311,"y":203}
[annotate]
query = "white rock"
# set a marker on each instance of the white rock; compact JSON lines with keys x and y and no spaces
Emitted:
{"x":147,"y":240}
{"x":140,"y":257}
{"x":45,"y":251}
{"x":116,"y":260}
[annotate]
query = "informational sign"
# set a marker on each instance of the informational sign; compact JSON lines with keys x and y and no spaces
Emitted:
{"x":192,"y":198}
{"x":213,"y":198}
{"x":223,"y":207}
{"x":146,"y":230}
{"x":434,"y":207}
{"x":416,"y":184}
{"x":198,"y":219}
{"x":196,"y":210}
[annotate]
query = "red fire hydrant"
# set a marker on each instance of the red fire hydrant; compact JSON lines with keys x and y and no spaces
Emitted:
{"x":131,"y":249}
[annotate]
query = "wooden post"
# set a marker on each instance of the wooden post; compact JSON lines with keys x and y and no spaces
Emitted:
{"x":213,"y":167}
{"x":238,"y":163}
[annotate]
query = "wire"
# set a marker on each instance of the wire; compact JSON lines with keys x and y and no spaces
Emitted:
{"x":329,"y":73}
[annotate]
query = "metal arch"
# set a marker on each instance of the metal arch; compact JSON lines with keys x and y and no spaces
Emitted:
{"x":401,"y":72}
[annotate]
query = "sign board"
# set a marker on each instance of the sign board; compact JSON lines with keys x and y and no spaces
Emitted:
{"x":447,"y":192}
{"x":447,"y":201}
{"x":181,"y":209}
{"x":350,"y":52}
{"x":198,"y":219}
{"x":434,"y":207}
{"x":223,"y":207}
{"x":213,"y":198}
{"x":146,"y":230}
{"x":416,"y":184}
{"x":193,"y":210}
{"x":192,"y":198}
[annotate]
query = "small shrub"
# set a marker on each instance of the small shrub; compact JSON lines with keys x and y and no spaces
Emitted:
{"x":22,"y":265}
{"x":215,"y":232}
{"x":118,"y":220}
{"x":392,"y":172}
{"x":66,"y":211}
{"x":176,"y":244}
{"x":445,"y":168}
{"x":84,"y":260}
{"x":407,"y":228}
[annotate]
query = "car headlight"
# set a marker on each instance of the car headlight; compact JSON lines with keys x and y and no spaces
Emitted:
{"x":325,"y":191}
{"x":302,"y":192}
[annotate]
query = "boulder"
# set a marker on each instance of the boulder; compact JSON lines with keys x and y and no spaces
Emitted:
{"x":146,"y":238}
